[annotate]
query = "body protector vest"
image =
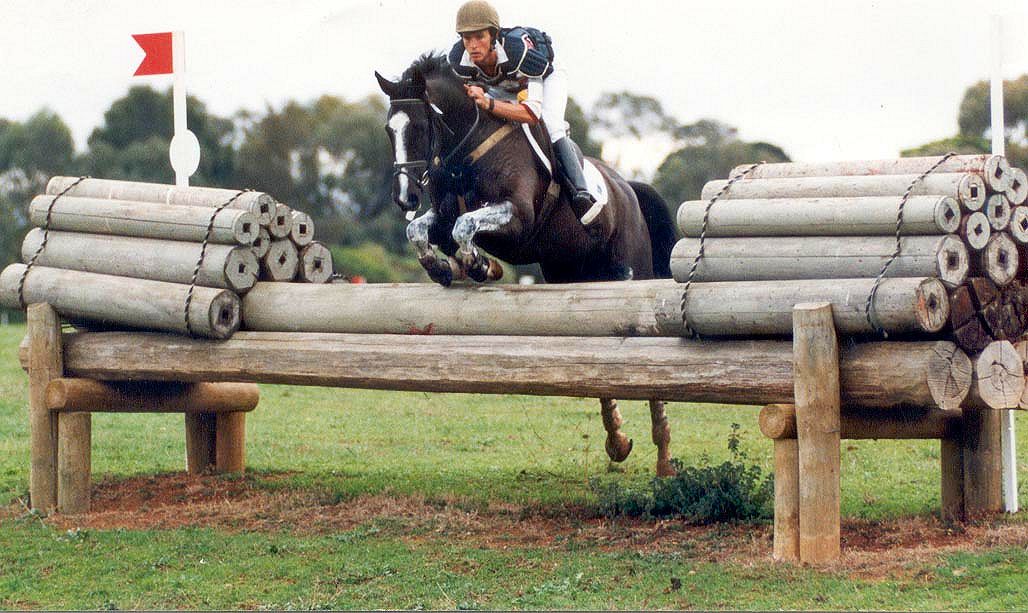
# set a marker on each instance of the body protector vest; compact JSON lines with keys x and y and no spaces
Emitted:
{"x":528,"y":51}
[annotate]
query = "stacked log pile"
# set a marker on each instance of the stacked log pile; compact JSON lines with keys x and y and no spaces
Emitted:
{"x":962,"y":234}
{"x":158,"y":256}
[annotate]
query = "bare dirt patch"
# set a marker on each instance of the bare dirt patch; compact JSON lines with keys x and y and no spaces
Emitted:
{"x":871,"y":549}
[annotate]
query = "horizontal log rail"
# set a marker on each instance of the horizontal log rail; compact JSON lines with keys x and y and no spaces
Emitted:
{"x":882,"y":374}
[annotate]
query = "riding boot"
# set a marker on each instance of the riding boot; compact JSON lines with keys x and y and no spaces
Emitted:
{"x":567,"y":157}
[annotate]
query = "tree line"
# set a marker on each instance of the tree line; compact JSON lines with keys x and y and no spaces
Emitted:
{"x":330,"y":158}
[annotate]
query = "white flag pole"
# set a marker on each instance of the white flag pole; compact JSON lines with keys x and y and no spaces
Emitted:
{"x":185,"y":148}
{"x":1008,"y":447}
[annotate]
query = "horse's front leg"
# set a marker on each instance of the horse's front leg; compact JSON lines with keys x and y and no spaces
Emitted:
{"x":419,"y":232}
{"x":491,"y":218}
{"x":618,"y":446}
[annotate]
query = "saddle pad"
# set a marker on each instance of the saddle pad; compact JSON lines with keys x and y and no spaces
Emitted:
{"x":594,"y":181}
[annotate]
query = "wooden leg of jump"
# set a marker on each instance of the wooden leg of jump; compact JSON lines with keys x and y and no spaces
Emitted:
{"x":230,"y":442}
{"x":45,"y":363}
{"x":200,"y":441}
{"x":74,"y":439}
{"x":983,"y":480}
{"x":952,"y":460}
{"x":787,"y":500}
{"x":816,"y":373}
{"x":618,"y":445}
{"x":661,"y":433}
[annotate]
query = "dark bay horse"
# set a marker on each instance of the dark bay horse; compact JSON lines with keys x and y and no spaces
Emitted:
{"x":486,"y":188}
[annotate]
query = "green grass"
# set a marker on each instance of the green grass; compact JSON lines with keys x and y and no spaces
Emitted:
{"x":467,"y":450}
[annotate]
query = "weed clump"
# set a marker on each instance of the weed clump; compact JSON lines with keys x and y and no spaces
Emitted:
{"x":734,"y":490}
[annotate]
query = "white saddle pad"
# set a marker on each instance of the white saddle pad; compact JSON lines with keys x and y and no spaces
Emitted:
{"x":593,"y":179}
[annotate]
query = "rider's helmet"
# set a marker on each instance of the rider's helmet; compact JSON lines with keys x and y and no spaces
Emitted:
{"x":476,"y":15}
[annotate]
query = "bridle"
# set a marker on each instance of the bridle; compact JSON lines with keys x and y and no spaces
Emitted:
{"x":419,"y":171}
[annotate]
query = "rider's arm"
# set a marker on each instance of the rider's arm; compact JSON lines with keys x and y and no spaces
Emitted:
{"x":527,"y":110}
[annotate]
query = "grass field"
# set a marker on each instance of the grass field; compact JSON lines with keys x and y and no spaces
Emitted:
{"x":357,"y":499}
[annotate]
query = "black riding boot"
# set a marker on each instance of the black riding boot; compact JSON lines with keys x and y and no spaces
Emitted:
{"x":567,"y":157}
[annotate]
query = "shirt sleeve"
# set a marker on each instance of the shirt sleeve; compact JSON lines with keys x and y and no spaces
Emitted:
{"x":533,"y":97}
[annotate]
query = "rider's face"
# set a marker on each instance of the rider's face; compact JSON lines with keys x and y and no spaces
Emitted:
{"x":479,"y":45}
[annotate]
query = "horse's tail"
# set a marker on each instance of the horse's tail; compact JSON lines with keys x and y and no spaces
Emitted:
{"x":660,"y":225}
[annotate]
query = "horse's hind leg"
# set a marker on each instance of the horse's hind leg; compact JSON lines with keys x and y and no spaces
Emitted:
{"x":661,"y":438}
{"x":618,"y":445}
{"x":418,"y":233}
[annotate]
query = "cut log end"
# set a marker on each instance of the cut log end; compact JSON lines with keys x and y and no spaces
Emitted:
{"x":947,"y":215}
{"x":262,"y":243}
{"x":998,"y":210}
{"x":224,"y":315}
{"x":975,"y":230}
{"x":246,"y":228}
{"x":1017,"y":192}
{"x":242,"y":269}
{"x":281,"y":221}
{"x":281,"y":261}
{"x":953,"y":261}
{"x":950,"y":372}
{"x":997,"y":173}
{"x":302,"y":232}
{"x":315,"y":263}
{"x":932,"y":305}
{"x":971,"y":192}
{"x":998,"y":377}
{"x":1000,"y":259}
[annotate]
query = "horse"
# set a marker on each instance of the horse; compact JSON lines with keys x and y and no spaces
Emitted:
{"x":490,"y":185}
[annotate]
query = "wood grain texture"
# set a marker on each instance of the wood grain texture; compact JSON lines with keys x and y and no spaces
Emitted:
{"x":144,"y":220}
{"x":853,"y":216}
{"x":818,"y":403}
{"x":812,"y":257}
{"x":223,"y":266}
{"x":966,"y":188}
{"x":138,"y":303}
{"x":778,"y":421}
{"x":74,"y":462}
{"x":995,"y":169}
{"x":44,"y":364}
{"x":69,"y":395}
{"x":258,"y":203}
{"x":884,"y":374}
{"x":630,"y":308}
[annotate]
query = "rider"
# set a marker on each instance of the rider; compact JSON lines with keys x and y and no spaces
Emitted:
{"x":523,"y":84}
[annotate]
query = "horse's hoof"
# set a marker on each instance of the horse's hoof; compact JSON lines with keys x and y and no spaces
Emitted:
{"x":618,"y":447}
{"x":495,"y":271}
{"x":479,"y":273}
{"x":442,"y":275}
{"x":665,"y":469}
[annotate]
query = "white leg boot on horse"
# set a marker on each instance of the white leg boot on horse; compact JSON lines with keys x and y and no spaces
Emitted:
{"x":618,"y":445}
{"x":441,"y":270}
{"x":661,"y":438}
{"x":490,"y":218}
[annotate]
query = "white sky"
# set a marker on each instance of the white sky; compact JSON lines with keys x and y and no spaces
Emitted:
{"x":823,"y":79}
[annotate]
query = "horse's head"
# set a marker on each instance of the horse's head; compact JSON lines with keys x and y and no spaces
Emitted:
{"x":417,"y":126}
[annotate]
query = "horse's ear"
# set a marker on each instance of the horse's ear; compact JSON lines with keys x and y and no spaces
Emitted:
{"x":388,"y":87}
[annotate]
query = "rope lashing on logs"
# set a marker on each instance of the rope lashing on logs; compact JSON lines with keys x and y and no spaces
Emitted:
{"x":869,"y":310}
{"x":42,"y":244}
{"x":203,"y":252}
{"x":703,"y":236}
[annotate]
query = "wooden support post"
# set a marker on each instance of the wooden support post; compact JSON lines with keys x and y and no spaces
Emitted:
{"x":200,"y":441}
{"x":817,"y":394}
{"x":983,"y":482}
{"x":74,"y":441}
{"x":46,"y":362}
{"x":787,"y":500}
{"x":230,"y":442}
{"x":952,"y":460}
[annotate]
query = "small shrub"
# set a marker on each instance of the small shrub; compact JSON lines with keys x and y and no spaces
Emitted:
{"x":731,"y":490}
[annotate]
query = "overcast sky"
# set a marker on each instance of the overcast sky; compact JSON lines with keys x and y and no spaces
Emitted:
{"x":823,"y":79}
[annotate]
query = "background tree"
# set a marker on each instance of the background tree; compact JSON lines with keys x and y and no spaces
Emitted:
{"x":133,"y":141}
{"x":30,"y":153}
{"x":974,"y":121}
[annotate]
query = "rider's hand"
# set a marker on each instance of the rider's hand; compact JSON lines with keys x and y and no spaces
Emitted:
{"x":477,"y":94}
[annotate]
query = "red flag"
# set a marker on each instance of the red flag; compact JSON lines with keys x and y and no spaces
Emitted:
{"x":157,"y":47}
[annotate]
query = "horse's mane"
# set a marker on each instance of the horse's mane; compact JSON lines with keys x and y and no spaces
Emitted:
{"x":428,"y":64}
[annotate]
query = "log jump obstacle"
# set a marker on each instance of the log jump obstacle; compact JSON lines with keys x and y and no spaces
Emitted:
{"x":74,"y":373}
{"x":814,"y":252}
